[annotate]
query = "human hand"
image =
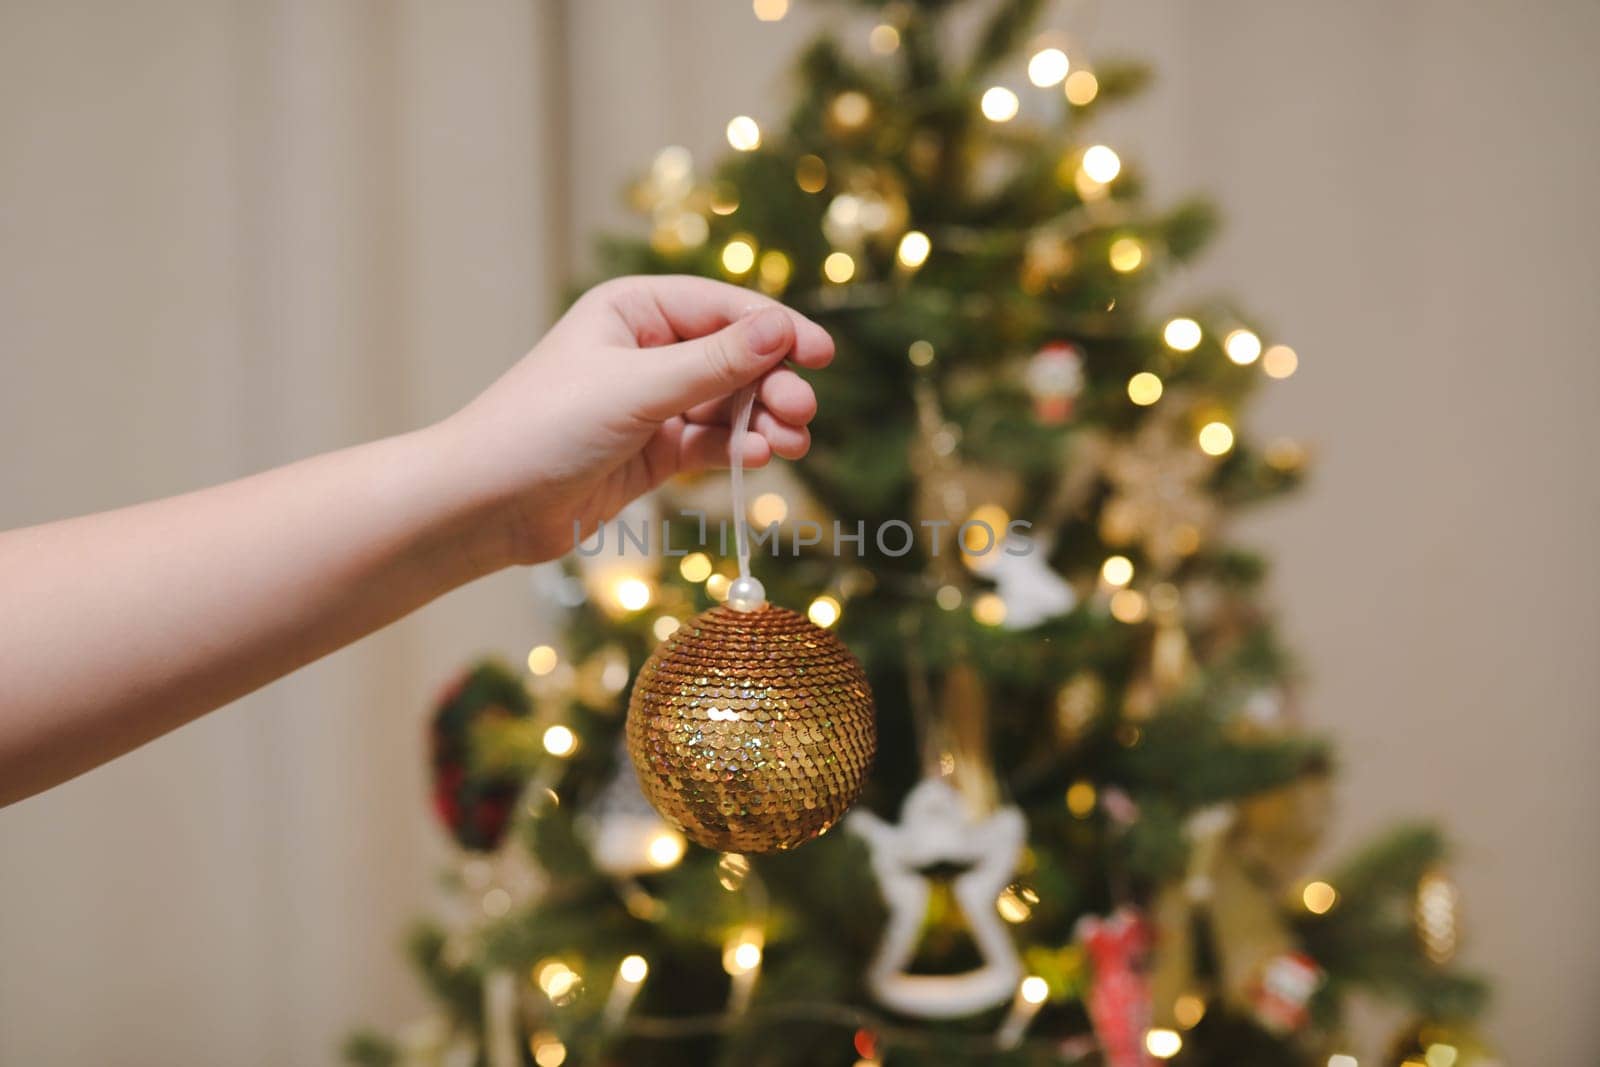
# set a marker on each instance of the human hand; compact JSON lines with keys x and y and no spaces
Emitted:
{"x":634,"y":384}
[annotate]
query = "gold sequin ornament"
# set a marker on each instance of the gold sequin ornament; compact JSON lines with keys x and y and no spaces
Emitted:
{"x":751,"y":730}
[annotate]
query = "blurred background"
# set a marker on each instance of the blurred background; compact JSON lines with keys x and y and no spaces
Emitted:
{"x":235,"y":234}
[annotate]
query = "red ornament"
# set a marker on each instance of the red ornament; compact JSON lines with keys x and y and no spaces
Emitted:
{"x":1055,"y":378}
{"x":1283,"y":994}
{"x":474,"y":806}
{"x":1119,"y":992}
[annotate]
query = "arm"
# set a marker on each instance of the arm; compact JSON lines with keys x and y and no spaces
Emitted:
{"x":121,"y":626}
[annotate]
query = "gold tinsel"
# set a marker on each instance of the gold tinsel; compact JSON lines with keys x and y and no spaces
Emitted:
{"x":752,"y":731}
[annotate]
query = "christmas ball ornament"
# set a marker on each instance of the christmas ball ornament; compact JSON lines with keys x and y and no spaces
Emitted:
{"x":1055,"y":378}
{"x":751,"y":730}
{"x":475,"y":805}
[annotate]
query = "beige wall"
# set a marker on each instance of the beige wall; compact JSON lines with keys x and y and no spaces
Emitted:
{"x":232,"y":234}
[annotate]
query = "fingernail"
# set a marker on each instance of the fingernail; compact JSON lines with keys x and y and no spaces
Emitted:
{"x":765,"y":331}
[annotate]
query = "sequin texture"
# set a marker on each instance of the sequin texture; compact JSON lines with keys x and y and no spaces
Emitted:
{"x":751,"y":731}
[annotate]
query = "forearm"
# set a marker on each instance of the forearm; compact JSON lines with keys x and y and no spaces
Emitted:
{"x":121,"y":626}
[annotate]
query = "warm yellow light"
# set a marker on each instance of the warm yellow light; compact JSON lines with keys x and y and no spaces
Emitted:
{"x":1081,"y":798}
{"x":1319,"y":897}
{"x":1101,"y":163}
{"x":775,"y":270}
{"x":742,"y":956}
{"x":738,"y":256}
{"x":717,"y":586}
{"x":1144,"y":388}
{"x":811,"y":174}
{"x":1034,"y":990}
{"x":883,"y":39}
{"x":542,"y":659}
{"x":1280,"y":361}
{"x":1128,"y":605}
{"x":1048,"y":67}
{"x":1242,"y":346}
{"x":767,"y":509}
{"x":1181,"y":335}
{"x":1341,"y":1059}
{"x":1216,"y":438}
{"x":743,"y":133}
{"x":914,"y":249}
{"x":999,"y":104}
{"x":560,"y":741}
{"x":824,"y":611}
{"x":633,"y":969}
{"x":1126,"y":254}
{"x":851,"y":109}
{"x":665,"y":849}
{"x":1011,"y":906}
{"x":724,"y":199}
{"x":547,"y":972}
{"x":1082,"y":87}
{"x":1162,"y":1043}
{"x":633,"y":594}
{"x":839,"y":267}
{"x":1117,"y":570}
{"x":920,"y":353}
{"x":948,"y":597}
{"x":989,"y":609}
{"x":770,"y":10}
{"x":665,"y":627}
{"x":1441,"y":1055}
{"x":549,"y":1052}
{"x":695,"y":567}
{"x":1188,"y":1010}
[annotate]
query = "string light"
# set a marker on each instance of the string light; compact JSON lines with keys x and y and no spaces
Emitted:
{"x":1048,"y":67}
{"x":496,"y":903}
{"x":920,"y":353}
{"x":1081,"y":797}
{"x":560,"y":741}
{"x":824,"y":611}
{"x":542,"y":659}
{"x":665,"y":849}
{"x":770,"y":10}
{"x":1082,"y":87}
{"x":1182,"y":335}
{"x":1319,"y":897}
{"x":744,"y":134}
{"x":1242,"y":347}
{"x":742,"y":955}
{"x":665,"y":627}
{"x":1162,"y":1043}
{"x":632,"y":594}
{"x":1341,"y":1059}
{"x":839,"y":267}
{"x":1144,"y":388}
{"x":883,"y":39}
{"x":738,"y":256}
{"x":811,"y":174}
{"x":633,"y":969}
{"x":914,"y":249}
{"x":1101,"y":164}
{"x":1126,"y":254}
{"x":724,"y":199}
{"x":999,"y":104}
{"x":1012,"y":907}
{"x":717,"y":586}
{"x":1128,"y":605}
{"x":851,"y":109}
{"x":1440,"y":1055}
{"x":548,"y":1051}
{"x":1188,"y":1010}
{"x":1280,"y":361}
{"x":948,"y":597}
{"x":1034,"y":990}
{"x":1117,"y":570}
{"x":1216,"y":438}
{"x":989,"y":609}
{"x":775,"y":270}
{"x":768,"y":508}
{"x":695,"y":567}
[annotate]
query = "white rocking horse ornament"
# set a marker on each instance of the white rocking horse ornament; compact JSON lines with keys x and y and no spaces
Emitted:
{"x":935,"y":828}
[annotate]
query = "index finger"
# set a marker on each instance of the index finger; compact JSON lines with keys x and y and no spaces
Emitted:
{"x":661,"y":309}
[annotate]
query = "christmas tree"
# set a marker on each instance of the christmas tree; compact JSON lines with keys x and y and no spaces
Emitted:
{"x":1087,"y":832}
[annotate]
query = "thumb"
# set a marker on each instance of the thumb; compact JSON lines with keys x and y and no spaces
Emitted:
{"x":673,"y":378}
